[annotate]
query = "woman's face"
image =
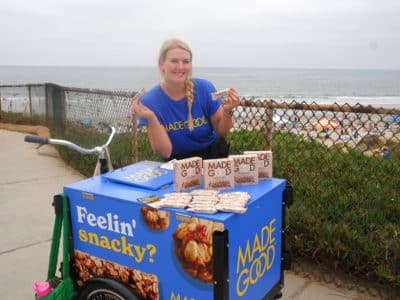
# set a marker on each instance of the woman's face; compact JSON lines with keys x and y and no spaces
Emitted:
{"x":177,"y":66}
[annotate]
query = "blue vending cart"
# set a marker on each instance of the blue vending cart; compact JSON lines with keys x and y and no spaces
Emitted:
{"x":173,"y":253}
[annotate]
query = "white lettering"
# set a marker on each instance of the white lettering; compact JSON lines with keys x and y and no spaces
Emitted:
{"x":108,"y":222}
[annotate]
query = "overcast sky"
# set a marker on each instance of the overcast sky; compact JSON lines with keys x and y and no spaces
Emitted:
{"x":222,"y":33}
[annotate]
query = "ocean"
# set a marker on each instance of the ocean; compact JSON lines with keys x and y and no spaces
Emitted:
{"x":323,"y":86}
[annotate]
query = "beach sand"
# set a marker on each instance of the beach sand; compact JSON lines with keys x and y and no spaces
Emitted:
{"x":369,"y":133}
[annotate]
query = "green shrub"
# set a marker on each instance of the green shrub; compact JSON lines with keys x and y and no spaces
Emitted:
{"x":144,"y":151}
{"x":346,"y":209}
{"x":244,"y":139}
{"x":21,"y":119}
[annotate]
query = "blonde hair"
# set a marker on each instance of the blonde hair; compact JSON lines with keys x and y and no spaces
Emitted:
{"x":189,"y":86}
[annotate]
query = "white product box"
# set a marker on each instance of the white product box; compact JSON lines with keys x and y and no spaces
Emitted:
{"x":187,"y":173}
{"x":264,"y":163}
{"x":218,"y":173}
{"x":245,"y":169}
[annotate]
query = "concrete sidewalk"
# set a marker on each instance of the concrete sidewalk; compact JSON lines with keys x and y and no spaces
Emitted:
{"x":29,"y":177}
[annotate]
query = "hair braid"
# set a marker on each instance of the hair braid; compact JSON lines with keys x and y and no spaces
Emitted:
{"x":189,"y":87}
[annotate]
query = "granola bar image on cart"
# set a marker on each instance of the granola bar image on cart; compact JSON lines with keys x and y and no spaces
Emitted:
{"x":154,"y":218}
{"x":193,"y":247}
{"x":88,"y":266}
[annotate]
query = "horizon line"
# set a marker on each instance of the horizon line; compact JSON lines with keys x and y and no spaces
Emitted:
{"x":208,"y":67}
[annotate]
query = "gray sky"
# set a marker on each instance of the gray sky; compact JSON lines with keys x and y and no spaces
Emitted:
{"x":222,"y":33}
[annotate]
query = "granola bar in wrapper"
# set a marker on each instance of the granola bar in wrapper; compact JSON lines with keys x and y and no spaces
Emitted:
{"x":264,"y":163}
{"x":223,"y":94}
{"x":218,"y":173}
{"x":187,"y":173}
{"x":245,"y":169}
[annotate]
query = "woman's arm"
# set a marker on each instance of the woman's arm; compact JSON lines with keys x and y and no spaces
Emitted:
{"x":159,"y":139}
{"x":222,"y":119}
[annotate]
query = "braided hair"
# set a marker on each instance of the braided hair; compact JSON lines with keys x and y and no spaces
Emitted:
{"x":189,"y":85}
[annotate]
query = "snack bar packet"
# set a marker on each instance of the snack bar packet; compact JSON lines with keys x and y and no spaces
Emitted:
{"x":223,"y":94}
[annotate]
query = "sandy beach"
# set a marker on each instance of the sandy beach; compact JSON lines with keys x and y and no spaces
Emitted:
{"x":370,"y":133}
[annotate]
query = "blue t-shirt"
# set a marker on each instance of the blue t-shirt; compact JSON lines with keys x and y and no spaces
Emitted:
{"x":173,"y":115}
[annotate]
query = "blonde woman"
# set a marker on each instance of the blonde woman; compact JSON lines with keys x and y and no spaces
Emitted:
{"x":181,"y":117}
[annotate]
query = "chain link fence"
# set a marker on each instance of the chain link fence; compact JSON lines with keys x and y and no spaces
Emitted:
{"x":67,"y":105}
{"x":371,"y":130}
{"x":340,"y":159}
{"x":26,"y":99}
{"x":67,"y":108}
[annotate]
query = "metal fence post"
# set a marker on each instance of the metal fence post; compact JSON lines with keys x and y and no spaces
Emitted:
{"x":55,"y":108}
{"x":269,"y":113}
{"x":134,"y":138}
{"x":46,"y":102}
{"x":30,"y":101}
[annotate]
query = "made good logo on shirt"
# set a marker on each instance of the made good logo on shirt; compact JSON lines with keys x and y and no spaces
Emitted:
{"x":181,"y":125}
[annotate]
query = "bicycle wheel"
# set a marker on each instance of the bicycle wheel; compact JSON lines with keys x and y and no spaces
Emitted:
{"x":103,"y":288}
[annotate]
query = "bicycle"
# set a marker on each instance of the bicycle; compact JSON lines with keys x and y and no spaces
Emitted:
{"x":65,"y":287}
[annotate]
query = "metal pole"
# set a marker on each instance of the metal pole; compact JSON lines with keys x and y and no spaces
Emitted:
{"x":30,"y":102}
{"x":134,"y":138}
{"x":269,"y":113}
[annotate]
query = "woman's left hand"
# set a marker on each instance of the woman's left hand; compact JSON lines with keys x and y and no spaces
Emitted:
{"x":232,"y":101}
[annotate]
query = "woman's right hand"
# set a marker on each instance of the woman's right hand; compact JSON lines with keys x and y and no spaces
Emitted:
{"x":141,"y":110}
{"x":159,"y":140}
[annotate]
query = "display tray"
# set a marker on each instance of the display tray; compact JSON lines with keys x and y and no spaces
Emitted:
{"x":146,"y":174}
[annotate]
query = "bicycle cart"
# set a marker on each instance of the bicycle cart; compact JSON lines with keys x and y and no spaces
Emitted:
{"x":117,"y":246}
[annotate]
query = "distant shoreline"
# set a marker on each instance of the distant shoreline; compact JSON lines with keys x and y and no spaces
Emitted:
{"x":209,"y":67}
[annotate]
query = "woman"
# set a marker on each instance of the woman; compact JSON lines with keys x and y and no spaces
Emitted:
{"x":182,"y":119}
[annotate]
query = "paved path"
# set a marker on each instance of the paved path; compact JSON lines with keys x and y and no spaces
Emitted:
{"x":29,"y":177}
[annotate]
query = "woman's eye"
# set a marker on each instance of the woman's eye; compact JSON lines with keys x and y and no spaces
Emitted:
{"x":176,"y":61}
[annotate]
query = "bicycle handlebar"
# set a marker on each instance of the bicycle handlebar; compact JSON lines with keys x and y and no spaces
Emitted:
{"x":36,"y":139}
{"x":95,"y":150}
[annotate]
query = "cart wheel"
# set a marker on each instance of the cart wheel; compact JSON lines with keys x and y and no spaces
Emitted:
{"x":102,"y":288}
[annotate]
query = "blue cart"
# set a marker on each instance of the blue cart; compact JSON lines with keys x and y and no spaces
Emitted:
{"x":135,"y":251}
